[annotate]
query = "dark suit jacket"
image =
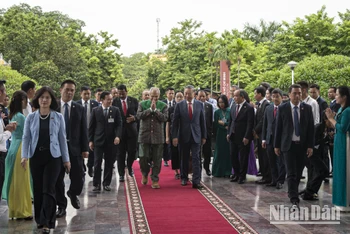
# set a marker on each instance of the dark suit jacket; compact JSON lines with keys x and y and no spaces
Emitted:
{"x":183,"y":127}
{"x":132,"y":104}
{"x":284,"y":127}
{"x":93,"y":104}
{"x":269,"y":124}
{"x":77,"y":134}
{"x":241,"y":126}
{"x":334,"y":106}
{"x":101,"y":130}
{"x":259,"y":117}
{"x":166,"y":101}
{"x":208,"y":113}
{"x":323,"y":106}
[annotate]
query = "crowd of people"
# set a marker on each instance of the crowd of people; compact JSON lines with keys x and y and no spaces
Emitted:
{"x":43,"y":137}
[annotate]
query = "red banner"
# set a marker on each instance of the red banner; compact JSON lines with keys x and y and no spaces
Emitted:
{"x":224,"y":78}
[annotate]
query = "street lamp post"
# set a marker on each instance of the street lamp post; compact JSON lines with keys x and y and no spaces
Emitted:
{"x":292,"y":65}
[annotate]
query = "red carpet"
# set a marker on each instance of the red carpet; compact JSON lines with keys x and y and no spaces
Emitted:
{"x":178,"y":209}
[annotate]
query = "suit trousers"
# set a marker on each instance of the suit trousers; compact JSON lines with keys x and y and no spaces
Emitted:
{"x":77,"y":180}
{"x":45,"y":170}
{"x":91,"y":160}
{"x":281,"y":169}
{"x":151,"y":153}
{"x":166,"y":152}
{"x":175,"y":157}
{"x":295,"y":162}
{"x":207,"y":153}
{"x":239,"y":158}
{"x":106,"y":152}
{"x":126,"y":145}
{"x":325,"y":156}
{"x":277,"y":167}
{"x":316,"y":169}
{"x":2,"y":170}
{"x":264,"y":164}
{"x":186,"y":149}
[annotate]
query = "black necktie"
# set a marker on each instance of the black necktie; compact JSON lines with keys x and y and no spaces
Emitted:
{"x":105,"y":112}
{"x":296,"y":122}
{"x":66,"y":117}
{"x":85,"y":107}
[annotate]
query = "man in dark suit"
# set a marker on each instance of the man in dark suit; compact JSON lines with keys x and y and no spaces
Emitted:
{"x":264,"y":166}
{"x":322,"y":150}
{"x":331,"y":95}
{"x":128,"y":108}
{"x":294,"y":137}
{"x":190,"y":132}
{"x":231,"y":101}
{"x":88,"y":104}
{"x":208,"y":112}
{"x":314,"y":91}
{"x":77,"y":140}
{"x":278,"y":170}
{"x":240,"y":135}
{"x":170,"y":101}
{"x":334,"y":107}
{"x":105,"y":132}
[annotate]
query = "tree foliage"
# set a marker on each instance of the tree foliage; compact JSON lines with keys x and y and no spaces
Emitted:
{"x":13,"y":79}
{"x":50,"y":47}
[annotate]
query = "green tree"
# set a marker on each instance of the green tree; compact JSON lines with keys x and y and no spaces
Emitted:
{"x":13,"y":79}
{"x":50,"y":46}
{"x":264,"y":32}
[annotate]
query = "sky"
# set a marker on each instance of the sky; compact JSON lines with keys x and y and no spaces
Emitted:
{"x":134,"y":24}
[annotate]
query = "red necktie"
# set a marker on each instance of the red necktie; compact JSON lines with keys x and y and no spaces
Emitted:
{"x":190,"y":110}
{"x":237,"y":110}
{"x":124,"y":108}
{"x":275,"y":112}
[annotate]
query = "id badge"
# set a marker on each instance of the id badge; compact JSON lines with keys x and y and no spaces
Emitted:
{"x":110,"y":120}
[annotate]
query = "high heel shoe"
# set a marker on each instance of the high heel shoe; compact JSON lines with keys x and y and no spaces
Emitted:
{"x":177,"y":176}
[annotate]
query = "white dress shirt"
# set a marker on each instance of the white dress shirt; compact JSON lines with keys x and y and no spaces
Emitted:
{"x":295,"y":138}
{"x":28,"y":109}
{"x":315,"y":108}
{"x":63,"y":108}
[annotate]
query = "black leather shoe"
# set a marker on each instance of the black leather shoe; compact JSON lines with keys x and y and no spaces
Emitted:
{"x":309,"y":197}
{"x":60,"y":213}
{"x":326,"y":180}
{"x":197,"y":186}
{"x":96,"y":189}
{"x":262,"y":181}
{"x":302,"y":192}
{"x":295,"y":206}
{"x":208,"y":172}
{"x":241,"y":181}
{"x":121,"y":179}
{"x":271,"y":184}
{"x":131,"y":172}
{"x":279,"y":186}
{"x":91,"y":171}
{"x":74,"y":200}
{"x":46,"y":230}
{"x":183,"y":182}
{"x":107,"y":188}
{"x":234,"y":179}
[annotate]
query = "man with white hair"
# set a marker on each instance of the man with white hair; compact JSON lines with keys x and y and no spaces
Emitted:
{"x":152,"y":115}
